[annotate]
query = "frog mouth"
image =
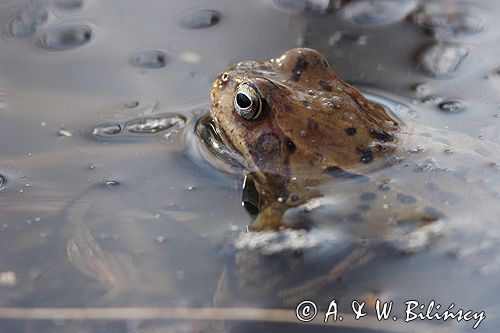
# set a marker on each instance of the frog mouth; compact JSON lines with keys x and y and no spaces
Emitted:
{"x":211,"y":136}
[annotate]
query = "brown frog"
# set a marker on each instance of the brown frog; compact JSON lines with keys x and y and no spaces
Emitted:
{"x":296,"y":123}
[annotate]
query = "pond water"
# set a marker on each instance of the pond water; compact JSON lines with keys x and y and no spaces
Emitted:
{"x":109,"y":199}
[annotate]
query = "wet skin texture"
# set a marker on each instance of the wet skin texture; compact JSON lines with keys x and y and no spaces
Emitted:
{"x":312,"y":126}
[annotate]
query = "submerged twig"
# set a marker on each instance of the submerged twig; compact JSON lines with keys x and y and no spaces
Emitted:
{"x":227,"y":314}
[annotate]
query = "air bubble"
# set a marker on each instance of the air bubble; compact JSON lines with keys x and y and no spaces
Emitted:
{"x":200,"y":19}
{"x":150,"y":59}
{"x":66,"y":37}
{"x":3,"y":180}
{"x":111,"y":183}
{"x":451,"y":107}
{"x":450,"y":19}
{"x":26,"y":22}
{"x":132,"y":104}
{"x":317,"y":6}
{"x":421,"y":90}
{"x":442,"y":59}
{"x":69,"y":4}
{"x":432,"y":99}
{"x":106,"y":129}
{"x":380,"y":12}
{"x":154,"y":125}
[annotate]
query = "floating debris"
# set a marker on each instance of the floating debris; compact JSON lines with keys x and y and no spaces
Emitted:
{"x":190,"y":57}
{"x":64,"y":133}
{"x":8,"y":279}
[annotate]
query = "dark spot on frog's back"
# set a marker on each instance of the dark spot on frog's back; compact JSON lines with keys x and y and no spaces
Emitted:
{"x":381,"y":135}
{"x":325,"y":85}
{"x":350,"y":131}
{"x":405,"y":199}
{"x":300,"y":66}
{"x":290,"y":145}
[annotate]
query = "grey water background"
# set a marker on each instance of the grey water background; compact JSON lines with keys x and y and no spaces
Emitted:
{"x":98,"y":102}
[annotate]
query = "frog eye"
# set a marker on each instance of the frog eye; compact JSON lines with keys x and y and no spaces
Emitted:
{"x":247,"y":101}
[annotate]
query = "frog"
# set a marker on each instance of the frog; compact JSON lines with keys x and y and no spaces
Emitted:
{"x":297,"y":128}
{"x":297,"y":124}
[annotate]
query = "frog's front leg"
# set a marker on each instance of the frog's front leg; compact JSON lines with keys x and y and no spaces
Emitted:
{"x":269,"y":214}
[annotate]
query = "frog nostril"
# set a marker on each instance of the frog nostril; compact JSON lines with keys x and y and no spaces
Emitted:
{"x":243,"y":101}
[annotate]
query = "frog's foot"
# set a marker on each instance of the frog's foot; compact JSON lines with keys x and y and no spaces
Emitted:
{"x":359,"y":257}
{"x":269,"y":218}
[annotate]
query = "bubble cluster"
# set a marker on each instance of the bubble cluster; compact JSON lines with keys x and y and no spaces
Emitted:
{"x":31,"y":20}
{"x":143,"y":125}
{"x":447,"y":21}
{"x":450,"y":19}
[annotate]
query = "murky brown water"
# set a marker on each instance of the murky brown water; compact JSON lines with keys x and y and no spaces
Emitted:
{"x":107,"y":198}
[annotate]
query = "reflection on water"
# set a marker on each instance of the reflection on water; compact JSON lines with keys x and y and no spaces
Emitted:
{"x":109,"y":198}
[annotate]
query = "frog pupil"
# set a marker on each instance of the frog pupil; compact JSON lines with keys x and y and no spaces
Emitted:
{"x":243,"y":101}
